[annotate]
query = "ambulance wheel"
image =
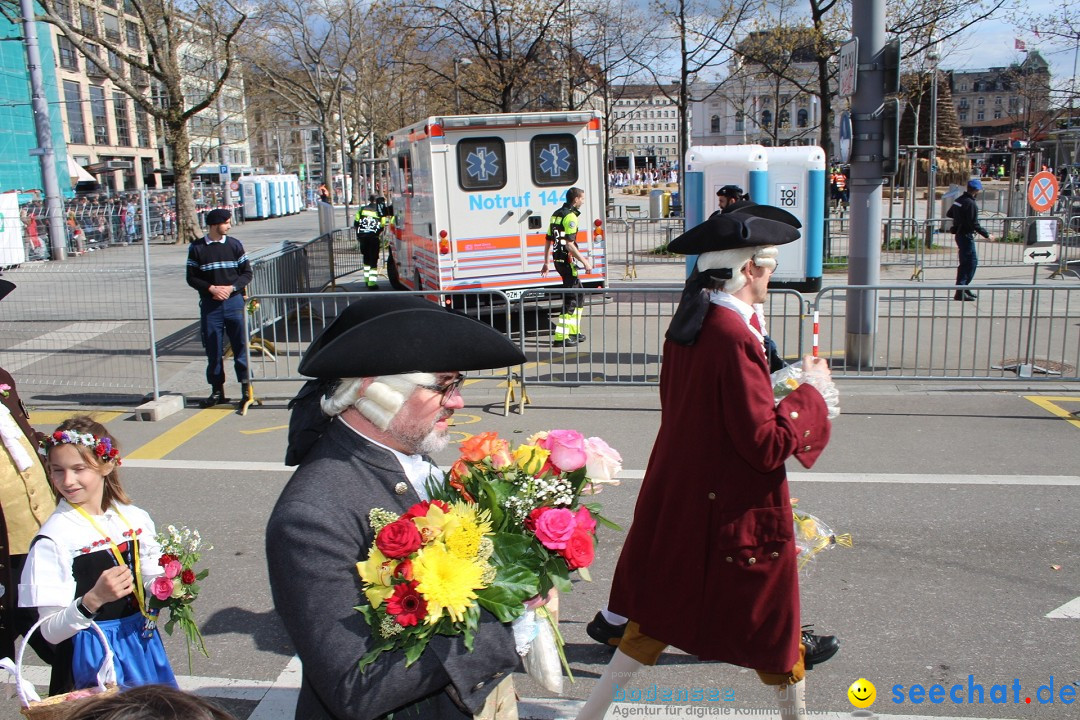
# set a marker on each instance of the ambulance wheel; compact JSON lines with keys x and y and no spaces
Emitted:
{"x":392,"y":273}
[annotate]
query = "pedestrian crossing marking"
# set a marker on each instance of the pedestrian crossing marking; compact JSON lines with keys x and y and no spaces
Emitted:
{"x":1050,"y":404}
{"x":169,"y":440}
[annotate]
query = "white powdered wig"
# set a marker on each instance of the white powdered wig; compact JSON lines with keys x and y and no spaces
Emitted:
{"x":735,"y":259}
{"x":381,"y":401}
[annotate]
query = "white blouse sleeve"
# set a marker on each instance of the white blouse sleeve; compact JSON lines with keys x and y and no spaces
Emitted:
{"x":149,"y":551}
{"x":46,"y":579}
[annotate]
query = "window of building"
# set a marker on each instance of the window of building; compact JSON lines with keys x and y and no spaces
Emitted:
{"x":74,"y":109}
{"x":980,"y":102}
{"x":997,"y":114}
{"x":997,"y":100}
{"x":134,"y":38}
{"x":68,"y":56}
{"x":714,"y":124}
{"x":481,"y":163}
{"x":740,"y":121}
{"x":963,"y":117}
{"x":784,"y":118}
{"x":63,"y":9}
{"x":980,"y":115}
{"x":129,"y":7}
{"x":803,"y":118}
{"x":142,"y":127}
{"x":116,"y":64}
{"x":766,"y":118}
{"x":87,"y":19}
{"x":122,"y":120}
{"x":99,"y":115}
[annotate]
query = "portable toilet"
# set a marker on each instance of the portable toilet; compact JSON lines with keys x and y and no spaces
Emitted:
{"x":709,"y":168}
{"x":796,"y":183}
{"x":273,"y":186}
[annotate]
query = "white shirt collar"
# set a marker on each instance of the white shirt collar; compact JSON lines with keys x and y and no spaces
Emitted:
{"x":416,"y":468}
{"x":213,"y":242}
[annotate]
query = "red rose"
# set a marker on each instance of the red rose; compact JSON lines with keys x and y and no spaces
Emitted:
{"x":579,"y":550}
{"x":420,"y":509}
{"x":187,"y":577}
{"x":530,"y":522}
{"x":407,"y":605}
{"x":166,"y":559}
{"x":399,"y":539}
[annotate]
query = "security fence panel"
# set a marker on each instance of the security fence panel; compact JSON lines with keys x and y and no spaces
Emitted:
{"x":80,"y":325}
{"x":1009,"y":240}
{"x":283,"y":325}
{"x":1009,"y":331}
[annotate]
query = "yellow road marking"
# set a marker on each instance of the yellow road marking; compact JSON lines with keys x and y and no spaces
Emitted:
{"x":1049,"y":403}
{"x":169,"y":440}
{"x":272,"y":428}
{"x":55,"y":417}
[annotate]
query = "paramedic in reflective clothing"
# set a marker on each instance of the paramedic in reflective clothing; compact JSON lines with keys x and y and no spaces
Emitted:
{"x":369,"y":224}
{"x":561,"y":246}
{"x":218,"y":268}
{"x":965,"y":216}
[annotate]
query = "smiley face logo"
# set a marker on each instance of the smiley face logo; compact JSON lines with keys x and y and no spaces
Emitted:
{"x":862,"y":693}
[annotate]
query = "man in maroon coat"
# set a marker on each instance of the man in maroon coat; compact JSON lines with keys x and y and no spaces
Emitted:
{"x":713,"y":521}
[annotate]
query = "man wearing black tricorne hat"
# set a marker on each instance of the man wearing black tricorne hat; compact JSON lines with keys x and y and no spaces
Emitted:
{"x":388,"y":374}
{"x":731,"y":198}
{"x":26,"y":501}
{"x":218,"y":268}
{"x":713,"y":506}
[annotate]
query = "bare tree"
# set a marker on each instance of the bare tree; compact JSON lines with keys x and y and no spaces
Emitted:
{"x":295,"y":50}
{"x":186,"y":41}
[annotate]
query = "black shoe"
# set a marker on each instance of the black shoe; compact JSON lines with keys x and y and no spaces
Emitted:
{"x":217,"y":397}
{"x":968,"y":295}
{"x":604,"y":632}
{"x":819,"y":648}
{"x":963,"y":295}
{"x":580,"y":338}
{"x":568,"y":342}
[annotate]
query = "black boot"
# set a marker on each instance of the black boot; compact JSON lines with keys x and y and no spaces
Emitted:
{"x":819,"y":648}
{"x":216,"y":397}
{"x":245,"y":392}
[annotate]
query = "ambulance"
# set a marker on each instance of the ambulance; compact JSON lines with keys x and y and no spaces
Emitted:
{"x":472,"y":196}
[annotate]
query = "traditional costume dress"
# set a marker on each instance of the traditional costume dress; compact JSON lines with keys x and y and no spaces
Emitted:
{"x":65,"y":560}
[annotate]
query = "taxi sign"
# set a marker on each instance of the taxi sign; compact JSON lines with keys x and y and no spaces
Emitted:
{"x":847,"y":76}
{"x":1042,"y":191}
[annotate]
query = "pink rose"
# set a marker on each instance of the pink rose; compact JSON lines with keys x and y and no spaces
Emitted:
{"x":162,"y":588}
{"x":602,"y":462}
{"x":554,"y":528}
{"x":172,"y":569}
{"x":585,"y":520}
{"x":567,"y":449}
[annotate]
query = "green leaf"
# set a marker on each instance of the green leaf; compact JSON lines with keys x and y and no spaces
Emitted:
{"x":493,"y":505}
{"x":584,"y":573}
{"x":556,"y":569}
{"x":415,"y":649}
{"x":202,"y":575}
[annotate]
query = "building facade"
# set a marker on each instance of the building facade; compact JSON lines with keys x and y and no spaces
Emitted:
{"x":1001,"y":105}
{"x":645,"y":125}
{"x":19,"y":170}
{"x":107,"y":134}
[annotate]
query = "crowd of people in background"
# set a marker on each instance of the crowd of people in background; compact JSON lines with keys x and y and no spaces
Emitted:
{"x":647,"y":176}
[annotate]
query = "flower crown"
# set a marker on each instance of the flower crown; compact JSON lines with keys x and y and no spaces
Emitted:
{"x":102,"y":447}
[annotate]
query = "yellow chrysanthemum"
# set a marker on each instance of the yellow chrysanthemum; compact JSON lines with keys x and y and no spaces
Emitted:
{"x":446,"y":581}
{"x":468,"y":527}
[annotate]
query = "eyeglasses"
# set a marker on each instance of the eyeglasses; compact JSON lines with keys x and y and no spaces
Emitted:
{"x":448,"y":389}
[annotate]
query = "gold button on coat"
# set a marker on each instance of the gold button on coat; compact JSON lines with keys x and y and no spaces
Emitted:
{"x":751,"y":561}
{"x":401,"y":488}
{"x":794,"y":414}
{"x":806,"y":433}
{"x":775,"y":555}
{"x":712,"y":496}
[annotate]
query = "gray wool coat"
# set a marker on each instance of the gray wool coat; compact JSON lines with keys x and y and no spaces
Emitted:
{"x":317,"y":533}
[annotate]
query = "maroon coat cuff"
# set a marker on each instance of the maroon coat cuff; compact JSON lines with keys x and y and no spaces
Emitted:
{"x":805,"y":411}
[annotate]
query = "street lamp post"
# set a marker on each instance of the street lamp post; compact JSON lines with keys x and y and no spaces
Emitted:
{"x":931,"y":175}
{"x":457,"y":85}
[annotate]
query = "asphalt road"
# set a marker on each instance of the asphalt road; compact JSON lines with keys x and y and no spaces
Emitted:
{"x":962,"y":505}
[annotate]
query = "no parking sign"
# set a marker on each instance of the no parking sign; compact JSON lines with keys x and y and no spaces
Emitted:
{"x":1042,"y":191}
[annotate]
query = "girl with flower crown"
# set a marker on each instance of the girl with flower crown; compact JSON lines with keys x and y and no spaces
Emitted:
{"x":94,"y":559}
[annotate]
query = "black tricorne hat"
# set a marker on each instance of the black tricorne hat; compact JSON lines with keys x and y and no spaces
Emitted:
{"x":217,"y":216}
{"x":751,"y":226}
{"x":392,"y":334}
{"x":5,"y":288}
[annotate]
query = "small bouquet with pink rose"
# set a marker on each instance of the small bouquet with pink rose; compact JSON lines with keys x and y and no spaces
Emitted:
{"x":533,"y":495}
{"x":177,"y":590}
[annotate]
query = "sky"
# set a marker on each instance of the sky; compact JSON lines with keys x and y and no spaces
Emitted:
{"x":992,"y":44}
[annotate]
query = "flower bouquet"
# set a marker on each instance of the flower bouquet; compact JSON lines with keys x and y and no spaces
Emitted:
{"x":541,"y":530}
{"x":178,"y":588}
{"x":789,"y":377}
{"x":424,"y":574}
{"x":812,"y":535}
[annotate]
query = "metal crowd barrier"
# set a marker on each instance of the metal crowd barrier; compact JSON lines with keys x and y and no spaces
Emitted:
{"x":922,"y":333}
